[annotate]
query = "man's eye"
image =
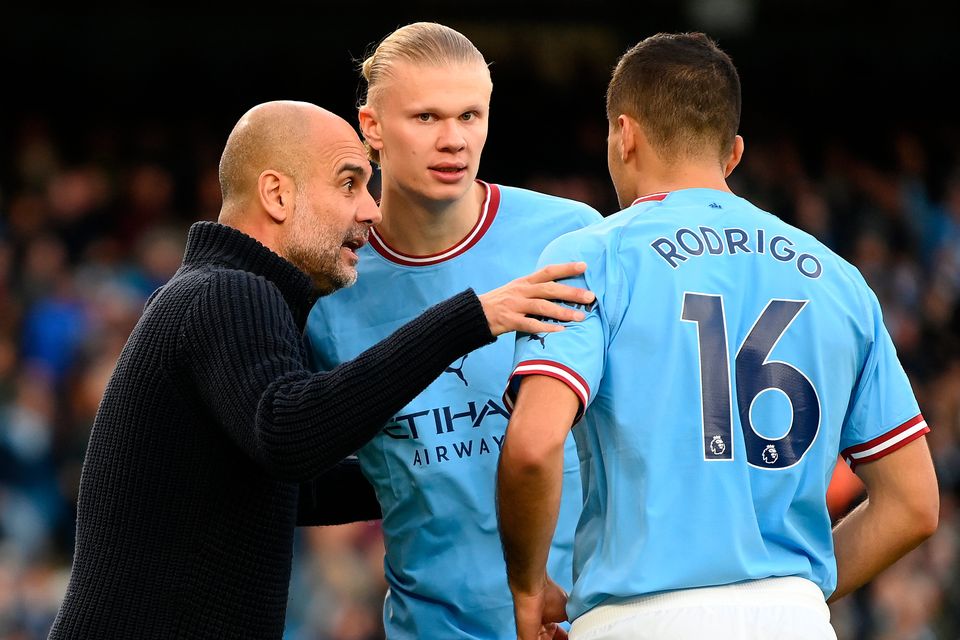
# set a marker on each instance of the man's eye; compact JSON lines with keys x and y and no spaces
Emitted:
{"x":469,"y":115}
{"x":348,"y":184}
{"x":424,"y":117}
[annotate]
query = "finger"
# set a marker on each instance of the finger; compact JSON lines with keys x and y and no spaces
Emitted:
{"x":547,"y":309}
{"x":557,"y":272}
{"x":534,"y":326}
{"x":557,"y":291}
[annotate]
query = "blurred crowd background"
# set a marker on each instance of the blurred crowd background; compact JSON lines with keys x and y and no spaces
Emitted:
{"x":111,"y":129}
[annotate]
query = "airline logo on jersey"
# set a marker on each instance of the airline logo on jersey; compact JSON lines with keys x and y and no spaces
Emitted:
{"x":451,"y":425}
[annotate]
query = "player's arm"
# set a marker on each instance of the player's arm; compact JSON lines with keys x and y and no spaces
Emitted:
{"x":901,"y":511}
{"x":529,"y":484}
{"x":297,"y":424}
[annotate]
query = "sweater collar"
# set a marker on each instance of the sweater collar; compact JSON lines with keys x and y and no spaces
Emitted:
{"x":215,"y":243}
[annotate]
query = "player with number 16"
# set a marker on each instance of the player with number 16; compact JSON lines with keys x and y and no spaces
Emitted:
{"x":727,"y":360}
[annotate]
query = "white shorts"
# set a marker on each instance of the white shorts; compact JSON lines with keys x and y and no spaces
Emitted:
{"x":788,"y":608}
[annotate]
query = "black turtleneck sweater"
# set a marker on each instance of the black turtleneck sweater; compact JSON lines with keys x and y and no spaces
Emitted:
{"x":210,"y":424}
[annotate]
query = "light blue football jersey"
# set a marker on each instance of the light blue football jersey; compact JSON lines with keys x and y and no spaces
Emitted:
{"x":434,"y":464}
{"x":728,"y":358}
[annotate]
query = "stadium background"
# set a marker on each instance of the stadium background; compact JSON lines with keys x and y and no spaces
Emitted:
{"x":112,"y":123}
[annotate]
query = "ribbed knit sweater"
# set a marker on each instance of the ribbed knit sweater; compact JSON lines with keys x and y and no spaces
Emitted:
{"x":210,"y":424}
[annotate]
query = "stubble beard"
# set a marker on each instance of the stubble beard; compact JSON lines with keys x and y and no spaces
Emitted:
{"x":316,"y":250}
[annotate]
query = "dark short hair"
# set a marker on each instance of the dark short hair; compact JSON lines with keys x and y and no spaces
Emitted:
{"x":683,"y":90}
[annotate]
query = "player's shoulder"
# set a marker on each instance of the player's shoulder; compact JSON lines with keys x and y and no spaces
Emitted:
{"x":608,"y":233}
{"x":587,"y":243}
{"x":843,"y":274}
{"x":546,"y":205}
{"x":853,"y":280}
{"x":809,"y":242}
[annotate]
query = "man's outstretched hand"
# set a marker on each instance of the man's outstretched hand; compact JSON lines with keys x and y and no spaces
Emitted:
{"x":519,"y":305}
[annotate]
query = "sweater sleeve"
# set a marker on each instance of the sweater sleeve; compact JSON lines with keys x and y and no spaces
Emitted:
{"x":245,"y":357}
{"x":340,"y":495}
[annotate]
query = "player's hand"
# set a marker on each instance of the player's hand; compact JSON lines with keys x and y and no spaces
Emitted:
{"x":509,"y":307}
{"x":538,"y":613}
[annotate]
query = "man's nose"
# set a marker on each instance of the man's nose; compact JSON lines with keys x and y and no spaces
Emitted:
{"x":451,"y":136}
{"x":369,"y":212}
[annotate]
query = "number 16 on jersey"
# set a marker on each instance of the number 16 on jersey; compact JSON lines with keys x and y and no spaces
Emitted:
{"x":754,"y":375}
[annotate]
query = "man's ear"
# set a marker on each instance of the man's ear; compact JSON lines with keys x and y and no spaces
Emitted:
{"x":370,"y":127}
{"x":735,"y":156}
{"x":276,"y":194}
{"x":630,"y":136}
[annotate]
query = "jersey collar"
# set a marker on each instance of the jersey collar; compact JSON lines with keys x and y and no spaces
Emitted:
{"x":488,"y":211}
{"x":652,"y":197}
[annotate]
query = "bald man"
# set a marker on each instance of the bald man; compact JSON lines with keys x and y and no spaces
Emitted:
{"x":213,"y":439}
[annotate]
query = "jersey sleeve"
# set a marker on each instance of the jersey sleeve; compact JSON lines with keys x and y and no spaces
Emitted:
{"x":588,"y":215}
{"x":575,"y":355}
{"x":884,"y":415}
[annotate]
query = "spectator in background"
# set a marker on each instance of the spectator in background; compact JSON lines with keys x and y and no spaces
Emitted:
{"x":30,"y":503}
